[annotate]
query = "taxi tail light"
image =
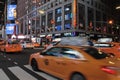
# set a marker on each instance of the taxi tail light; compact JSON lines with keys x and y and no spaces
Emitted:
{"x":7,"y":45}
{"x":109,"y":70}
{"x":119,"y":49}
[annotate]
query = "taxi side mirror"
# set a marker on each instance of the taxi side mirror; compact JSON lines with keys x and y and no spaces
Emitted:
{"x":42,"y":53}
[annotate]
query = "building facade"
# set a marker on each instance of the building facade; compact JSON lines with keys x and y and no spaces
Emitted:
{"x":41,"y":18}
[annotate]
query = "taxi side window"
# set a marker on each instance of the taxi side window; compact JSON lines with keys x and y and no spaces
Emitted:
{"x":54,"y":52}
{"x":70,"y":53}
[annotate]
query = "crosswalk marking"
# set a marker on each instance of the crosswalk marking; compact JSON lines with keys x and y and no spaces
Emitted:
{"x":48,"y":77}
{"x":3,"y":76}
{"x":21,"y":74}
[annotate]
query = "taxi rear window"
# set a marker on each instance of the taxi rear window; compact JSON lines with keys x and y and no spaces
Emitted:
{"x":94,"y":52}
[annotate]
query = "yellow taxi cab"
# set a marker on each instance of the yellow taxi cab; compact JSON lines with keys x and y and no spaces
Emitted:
{"x":71,"y":62}
{"x":36,"y":45}
{"x":76,"y":63}
{"x":12,"y":46}
{"x":109,"y":47}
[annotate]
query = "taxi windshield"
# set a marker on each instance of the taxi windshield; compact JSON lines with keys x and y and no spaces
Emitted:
{"x":13,"y":42}
{"x":94,"y":52}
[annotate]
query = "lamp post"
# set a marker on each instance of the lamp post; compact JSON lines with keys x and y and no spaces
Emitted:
{"x":29,"y":28}
{"x":16,"y":29}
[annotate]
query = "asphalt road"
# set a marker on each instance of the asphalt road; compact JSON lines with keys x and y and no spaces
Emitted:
{"x":15,"y":66}
{"x":13,"y":59}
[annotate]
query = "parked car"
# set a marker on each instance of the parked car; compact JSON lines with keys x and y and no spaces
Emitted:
{"x":70,"y":62}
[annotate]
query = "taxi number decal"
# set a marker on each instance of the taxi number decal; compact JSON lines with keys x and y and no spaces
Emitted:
{"x":46,"y":62}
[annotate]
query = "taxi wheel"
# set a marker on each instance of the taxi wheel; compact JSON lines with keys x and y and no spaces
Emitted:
{"x":77,"y":76}
{"x":34,"y":65}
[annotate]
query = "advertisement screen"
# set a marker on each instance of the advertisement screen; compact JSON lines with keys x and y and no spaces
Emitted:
{"x":10,"y":28}
{"x":11,"y":10}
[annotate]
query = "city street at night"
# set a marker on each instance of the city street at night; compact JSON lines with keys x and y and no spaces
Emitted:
{"x":59,"y":39}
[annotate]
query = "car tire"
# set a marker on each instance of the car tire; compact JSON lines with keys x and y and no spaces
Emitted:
{"x":77,"y":76}
{"x":34,"y":65}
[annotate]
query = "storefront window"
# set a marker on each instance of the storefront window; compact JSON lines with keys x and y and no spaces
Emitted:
{"x":81,"y":16}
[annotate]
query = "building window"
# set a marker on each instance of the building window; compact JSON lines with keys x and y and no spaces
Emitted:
{"x":65,"y":0}
{"x":91,"y":2}
{"x":68,"y":16}
{"x":90,"y":19}
{"x":98,"y":21}
{"x":88,"y":1}
{"x":81,"y":16}
{"x":38,"y":24}
{"x":43,"y":19}
{"x":58,"y":19}
{"x":50,"y":23}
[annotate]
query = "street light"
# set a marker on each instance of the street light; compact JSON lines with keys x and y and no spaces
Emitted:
{"x":110,"y":22}
{"x":118,"y":7}
{"x":41,"y":11}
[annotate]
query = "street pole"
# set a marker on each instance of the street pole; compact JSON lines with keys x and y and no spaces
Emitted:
{"x":4,"y":27}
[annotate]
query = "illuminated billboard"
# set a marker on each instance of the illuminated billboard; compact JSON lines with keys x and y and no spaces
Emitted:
{"x":11,"y":11}
{"x":10,"y":28}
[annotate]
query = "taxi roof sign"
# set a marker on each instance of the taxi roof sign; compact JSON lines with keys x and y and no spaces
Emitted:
{"x":105,"y":40}
{"x":77,"y":41}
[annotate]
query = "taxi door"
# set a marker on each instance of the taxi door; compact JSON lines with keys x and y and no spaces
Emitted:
{"x":57,"y":64}
{"x":60,"y":66}
{"x":46,"y":63}
{"x":65,"y":62}
{"x":48,"y":60}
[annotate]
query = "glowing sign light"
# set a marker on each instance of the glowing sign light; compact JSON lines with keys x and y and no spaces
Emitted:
{"x":10,"y":28}
{"x":11,"y":9}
